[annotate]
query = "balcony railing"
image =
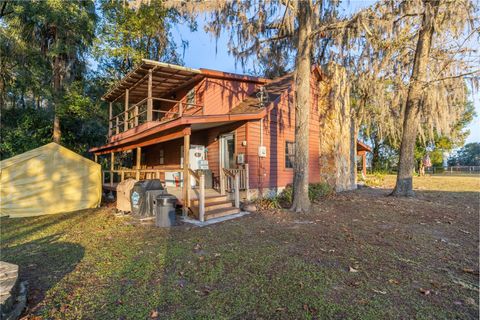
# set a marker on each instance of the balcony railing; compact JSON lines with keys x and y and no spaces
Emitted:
{"x":139,"y":113}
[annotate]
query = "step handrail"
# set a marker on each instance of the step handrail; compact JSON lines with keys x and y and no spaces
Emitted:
{"x":236,"y":177}
{"x":200,"y":178}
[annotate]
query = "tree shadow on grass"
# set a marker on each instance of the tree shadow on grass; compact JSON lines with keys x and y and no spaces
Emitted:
{"x":17,"y":228}
{"x":43,"y":263}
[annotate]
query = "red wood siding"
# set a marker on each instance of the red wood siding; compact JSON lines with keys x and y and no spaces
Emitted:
{"x":220,"y":96}
{"x":279,"y":127}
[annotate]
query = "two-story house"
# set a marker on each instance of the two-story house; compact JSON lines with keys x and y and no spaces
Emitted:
{"x":240,"y":129}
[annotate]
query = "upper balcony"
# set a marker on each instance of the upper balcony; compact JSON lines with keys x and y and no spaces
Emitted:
{"x":154,"y":91}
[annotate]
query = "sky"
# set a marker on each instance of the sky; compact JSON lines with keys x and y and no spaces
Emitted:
{"x":204,"y":51}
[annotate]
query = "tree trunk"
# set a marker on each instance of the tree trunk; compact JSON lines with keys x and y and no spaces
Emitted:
{"x":57,"y":87}
{"x":301,"y":201}
{"x":375,"y":152}
{"x":406,"y":164}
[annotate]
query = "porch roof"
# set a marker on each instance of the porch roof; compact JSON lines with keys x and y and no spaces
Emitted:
{"x":363,"y":147}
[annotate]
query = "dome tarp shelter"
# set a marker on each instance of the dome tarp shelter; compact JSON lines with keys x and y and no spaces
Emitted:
{"x":47,"y":180}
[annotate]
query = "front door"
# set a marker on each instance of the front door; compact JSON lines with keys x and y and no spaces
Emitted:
{"x":227,"y":150}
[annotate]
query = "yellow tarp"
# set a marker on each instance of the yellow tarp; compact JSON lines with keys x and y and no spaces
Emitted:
{"x":47,"y":180}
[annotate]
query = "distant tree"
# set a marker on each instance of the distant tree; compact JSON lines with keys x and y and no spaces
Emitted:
{"x":409,"y":66}
{"x":469,"y":155}
{"x":135,"y":30}
{"x":55,"y":34}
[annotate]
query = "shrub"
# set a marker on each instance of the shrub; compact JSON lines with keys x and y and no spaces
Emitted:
{"x":268,"y":203}
{"x":319,"y":190}
{"x":316,"y":191}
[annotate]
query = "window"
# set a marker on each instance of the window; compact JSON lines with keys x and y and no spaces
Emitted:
{"x":161,"y":159}
{"x":289,"y":154}
{"x":191,"y":98}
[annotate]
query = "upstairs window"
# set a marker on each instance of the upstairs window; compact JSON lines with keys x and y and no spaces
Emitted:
{"x":289,"y":154}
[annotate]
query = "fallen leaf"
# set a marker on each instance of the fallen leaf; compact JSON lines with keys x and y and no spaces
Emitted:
{"x":352,"y":269}
{"x":469,"y":270}
{"x":425,"y":291}
{"x":379,"y":291}
{"x":154,"y":314}
{"x":393,"y":281}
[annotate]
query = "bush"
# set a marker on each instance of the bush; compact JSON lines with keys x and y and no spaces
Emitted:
{"x":268,"y":203}
{"x":316,"y":191}
{"x":319,"y":190}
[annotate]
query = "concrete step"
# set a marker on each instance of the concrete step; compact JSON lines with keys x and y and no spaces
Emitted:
{"x":217,"y":213}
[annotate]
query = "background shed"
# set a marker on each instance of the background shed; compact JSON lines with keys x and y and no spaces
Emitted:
{"x":47,"y":180}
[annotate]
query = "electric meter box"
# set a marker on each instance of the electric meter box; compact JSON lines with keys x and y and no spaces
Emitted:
{"x":203,"y":164}
{"x":262,"y":151}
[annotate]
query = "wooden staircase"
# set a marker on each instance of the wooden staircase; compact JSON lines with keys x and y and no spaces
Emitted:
{"x":216,"y":206}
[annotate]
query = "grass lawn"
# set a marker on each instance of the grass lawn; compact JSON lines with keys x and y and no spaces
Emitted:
{"x":357,"y":255}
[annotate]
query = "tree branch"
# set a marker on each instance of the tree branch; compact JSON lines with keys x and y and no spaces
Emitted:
{"x":3,"y":13}
{"x":454,"y":77}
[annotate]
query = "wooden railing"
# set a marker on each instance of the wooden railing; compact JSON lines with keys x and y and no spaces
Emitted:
{"x":200,"y":178}
{"x":243,"y":174}
{"x":139,"y":113}
{"x":228,"y":174}
{"x":122,"y":174}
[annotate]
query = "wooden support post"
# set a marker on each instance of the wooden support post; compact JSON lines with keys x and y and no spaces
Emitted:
{"x":125,"y":116}
{"x":95,"y":157}
{"x":186,"y":172}
{"x":201,"y":199}
{"x":136,"y":115}
{"x":112,"y":167}
{"x":364,"y":164}
{"x":247,"y":182}
{"x":180,"y":109}
{"x":117,"y":125}
{"x":122,"y":176}
{"x":110,"y":124}
{"x":237,"y":190}
{"x":137,"y":163}
{"x":149,"y":97}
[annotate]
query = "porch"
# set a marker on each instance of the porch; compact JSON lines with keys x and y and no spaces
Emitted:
{"x":171,"y":156}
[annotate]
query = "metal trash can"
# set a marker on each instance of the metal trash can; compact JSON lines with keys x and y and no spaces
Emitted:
{"x":165,"y":210}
